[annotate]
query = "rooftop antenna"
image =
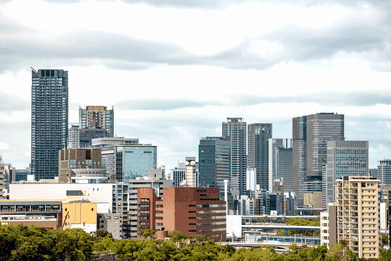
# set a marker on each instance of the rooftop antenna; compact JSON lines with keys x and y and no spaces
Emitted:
{"x":34,"y":70}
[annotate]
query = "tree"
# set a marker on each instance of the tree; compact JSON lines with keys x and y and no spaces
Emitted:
{"x":177,"y":236}
{"x":147,"y":233}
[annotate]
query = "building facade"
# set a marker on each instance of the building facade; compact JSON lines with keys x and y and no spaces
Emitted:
{"x":310,"y":134}
{"x":235,"y":130}
{"x":258,"y":151}
{"x":384,"y":172}
{"x":358,"y":215}
{"x":97,"y":116}
{"x":213,"y":157}
{"x":192,"y":211}
{"x":49,"y":121}
{"x":275,"y":143}
{"x":344,"y":158}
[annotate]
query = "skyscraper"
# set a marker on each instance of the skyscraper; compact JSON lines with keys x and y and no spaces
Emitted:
{"x":274,"y":144}
{"x":97,"y":117}
{"x":49,"y":121}
{"x":258,"y":151}
{"x":384,"y":172}
{"x":235,"y":130}
{"x":344,"y":158}
{"x":310,"y":134}
{"x":213,"y":155}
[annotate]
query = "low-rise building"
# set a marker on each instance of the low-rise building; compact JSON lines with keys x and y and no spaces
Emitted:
{"x":79,"y":214}
{"x":192,"y":211}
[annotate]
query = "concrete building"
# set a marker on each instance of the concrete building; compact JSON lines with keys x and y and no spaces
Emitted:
{"x":110,"y":222}
{"x":79,"y":214}
{"x":344,"y":158}
{"x":235,"y":130}
{"x":2,"y":182}
{"x":177,"y":174}
{"x":384,"y":172}
{"x":49,"y":121}
{"x":81,"y":164}
{"x":258,"y":151}
{"x":213,"y":156}
{"x":192,"y":211}
{"x":97,"y":116}
{"x":275,"y":143}
{"x":190,"y":172}
{"x":74,"y":137}
{"x":358,"y":215}
{"x":310,"y":134}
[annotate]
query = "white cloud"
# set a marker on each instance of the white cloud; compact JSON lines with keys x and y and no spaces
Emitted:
{"x":4,"y":146}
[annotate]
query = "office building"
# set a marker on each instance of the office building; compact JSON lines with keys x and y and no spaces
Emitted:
{"x":49,"y":121}
{"x":190,"y":172}
{"x":213,"y":156}
{"x":192,"y":211}
{"x":97,"y":117}
{"x":344,"y":158}
{"x":235,"y":130}
{"x":81,"y":166}
{"x":283,"y":168}
{"x":82,"y":138}
{"x":384,"y":172}
{"x":310,"y":135}
{"x":177,"y":174}
{"x":258,"y":151}
{"x":275,"y":143}
{"x":125,"y":159}
{"x":358,"y":215}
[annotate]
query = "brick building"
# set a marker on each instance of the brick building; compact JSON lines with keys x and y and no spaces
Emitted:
{"x":192,"y":211}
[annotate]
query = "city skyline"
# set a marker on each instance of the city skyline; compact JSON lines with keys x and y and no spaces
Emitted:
{"x":173,"y":82}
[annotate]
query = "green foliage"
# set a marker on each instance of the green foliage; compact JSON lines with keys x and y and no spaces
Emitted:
{"x":34,"y":243}
{"x":177,"y":236}
{"x":147,"y":233}
{"x":281,"y":232}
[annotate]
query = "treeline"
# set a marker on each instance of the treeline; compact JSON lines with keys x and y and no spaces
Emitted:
{"x":33,"y":243}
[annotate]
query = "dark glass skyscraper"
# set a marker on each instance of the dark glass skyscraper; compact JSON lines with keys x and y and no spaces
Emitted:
{"x":213,"y":155}
{"x":49,"y":121}
{"x":310,"y":135}
{"x":258,"y":151}
{"x":235,"y":130}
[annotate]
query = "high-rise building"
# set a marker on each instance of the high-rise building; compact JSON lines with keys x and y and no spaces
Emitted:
{"x":274,"y":144}
{"x":235,"y":130}
{"x":258,"y":151}
{"x":49,"y":121}
{"x":358,"y":215}
{"x":190,"y":172}
{"x":213,"y":155}
{"x":310,"y":134}
{"x":344,"y":158}
{"x":74,"y":137}
{"x":384,"y":172}
{"x":97,"y":116}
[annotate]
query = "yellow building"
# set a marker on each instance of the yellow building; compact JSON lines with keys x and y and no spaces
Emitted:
{"x":79,"y":214}
{"x":357,"y":215}
{"x":313,"y":199}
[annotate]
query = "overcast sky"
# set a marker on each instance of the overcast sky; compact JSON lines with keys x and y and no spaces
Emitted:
{"x":174,"y":70}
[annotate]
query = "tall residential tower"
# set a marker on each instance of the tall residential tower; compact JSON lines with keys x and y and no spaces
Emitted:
{"x":49,"y":121}
{"x":235,"y":131}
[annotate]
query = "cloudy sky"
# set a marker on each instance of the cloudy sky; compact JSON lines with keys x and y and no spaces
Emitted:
{"x":175,"y":69}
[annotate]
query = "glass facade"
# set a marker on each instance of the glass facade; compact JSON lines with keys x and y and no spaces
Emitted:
{"x":310,"y":135}
{"x":134,"y":161}
{"x":49,"y":121}
{"x":213,"y":155}
{"x":258,"y":151}
{"x":344,"y":158}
